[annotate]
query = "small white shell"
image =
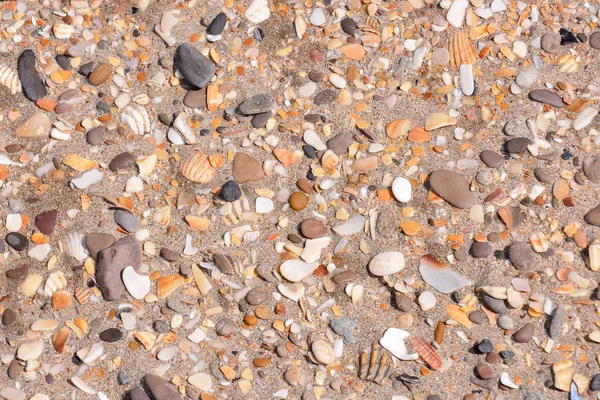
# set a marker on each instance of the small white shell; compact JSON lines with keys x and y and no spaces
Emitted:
{"x":10,"y":79}
{"x":55,"y":282}
{"x":76,"y":247}
{"x":136,"y":119}
{"x":386,"y":263}
{"x":137,"y":285}
{"x":183,"y":127}
{"x":296,"y":270}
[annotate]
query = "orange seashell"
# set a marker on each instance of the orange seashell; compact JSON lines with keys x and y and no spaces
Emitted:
{"x":82,"y":324}
{"x":459,"y":315}
{"x":329,"y":160}
{"x":60,"y":338}
{"x":197,"y":223}
{"x":285,"y":157}
{"x":410,"y":228}
{"x":426,"y":352}
{"x":462,"y":50}
{"x":79,"y":163}
{"x":511,"y":216}
{"x":147,"y":339}
{"x":83,"y":295}
{"x":365,"y":164}
{"x":216,"y":160}
{"x":563,"y":274}
{"x":418,"y":134}
{"x":197,"y":169}
{"x":213,"y":98}
{"x":353,"y":51}
{"x":61,"y":300}
{"x":169,"y":337}
{"x":166,"y":285}
{"x":397,"y":128}
{"x":561,"y":189}
{"x":39,"y":238}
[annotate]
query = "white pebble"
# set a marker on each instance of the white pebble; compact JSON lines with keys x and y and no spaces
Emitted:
{"x":427,"y":300}
{"x":402,"y":189}
{"x":264,"y":205}
{"x":317,"y":17}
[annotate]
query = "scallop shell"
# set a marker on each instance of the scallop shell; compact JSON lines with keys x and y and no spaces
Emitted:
{"x":386,"y":263}
{"x":372,"y":367}
{"x":9,"y":78}
{"x":83,"y":295}
{"x":75,"y":246}
{"x":31,"y":284}
{"x":426,"y":352}
{"x":61,"y":300}
{"x":167,"y":285}
{"x":329,"y":160}
{"x":147,"y":339}
{"x":567,"y":63}
{"x":224,"y":262}
{"x":462,"y":50}
{"x":60,"y":338}
{"x":136,"y":118}
{"x":197,"y":169}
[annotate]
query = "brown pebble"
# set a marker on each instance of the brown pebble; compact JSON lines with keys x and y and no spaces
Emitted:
{"x":304,"y":185}
{"x":9,"y":317}
{"x":439,"y":332}
{"x":493,"y":358}
{"x":343,"y":277}
{"x":298,"y":201}
{"x":100,"y":74}
{"x":261,"y":362}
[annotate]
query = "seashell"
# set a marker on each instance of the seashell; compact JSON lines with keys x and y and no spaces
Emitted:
{"x":146,"y":164}
{"x":197,"y":169}
{"x":61,"y":300}
{"x":441,"y":277}
{"x":83,"y":295}
{"x":16,"y":206}
{"x":94,"y":353}
{"x":365,"y":164}
{"x":397,"y":128}
{"x":427,"y":353}
{"x":214,"y":98}
{"x":163,"y":216}
{"x":410,"y":228}
{"x":323,"y":352}
{"x":79,"y":163}
{"x":166,"y":285}
{"x":313,"y":247}
{"x":594,"y":253}
{"x":427,"y":300}
{"x":82,"y":324}
{"x":511,"y":216}
{"x":386,"y":263}
{"x":394,"y":340}
{"x":63,"y":31}
{"x":60,"y":339}
{"x":353,"y":51}
{"x":515,"y":299}
{"x":197,"y":336}
{"x":439,"y":120}
{"x":285,"y":157}
{"x":197,"y":223}
{"x":147,"y":339}
{"x":136,"y":118}
{"x":312,"y":138}
{"x":372,"y":367}
{"x":560,"y":189}
{"x":9,"y":78}
{"x":297,"y":270}
{"x":30,"y":350}
{"x":506,"y":381}
{"x":293,"y":292}
{"x":329,"y":160}
{"x":539,"y":242}
{"x":216,"y":160}
{"x":182,"y":126}
{"x":137,"y":285}
{"x":31,"y":284}
{"x":567,"y":63}
{"x":56,"y":281}
{"x":83,"y":386}
{"x":457,"y":314}
{"x":496,"y":292}
{"x":224,"y":262}
{"x":201,"y":280}
{"x":134,"y":185}
{"x":462,"y":50}
{"x":44,"y":325}
{"x":352,"y":226}
{"x":75,"y":246}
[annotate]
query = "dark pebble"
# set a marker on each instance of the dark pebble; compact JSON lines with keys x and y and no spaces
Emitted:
{"x":485,"y":371}
{"x":403,"y":302}
{"x":517,"y":145}
{"x":18,"y":273}
{"x":195,"y":68}
{"x":496,"y":305}
{"x":94,"y":136}
{"x":525,"y":334}
{"x":595,"y":383}
{"x":225,"y":327}
{"x":62,"y":108}
{"x":122,"y":162}
{"x":17,"y":241}
{"x":567,"y":37}
{"x":493,"y":358}
{"x":230,"y":191}
{"x":485,"y":346}
{"x":257,"y":296}
{"x":32,"y":84}
{"x":63,"y":61}
{"x":46,"y":221}
{"x":9,"y":317}
{"x":169,"y":254}
{"x":556,"y":323}
{"x":522,"y":256}
{"x":86,"y":68}
{"x":14,"y":369}
{"x":491,"y":159}
{"x":137,"y":394}
{"x":260,"y":120}
{"x":127,"y":220}
{"x":316,"y":76}
{"x":195,"y":99}
{"x":476,"y":317}
{"x":349,"y":26}
{"x":595,"y":40}
{"x":160,"y":326}
{"x":217,"y":25}
{"x":310,"y":151}
{"x":543,"y":175}
{"x":111,"y":335}
{"x":257,"y":104}
{"x":546,"y":97}
{"x":481,"y":249}
{"x":324,"y":97}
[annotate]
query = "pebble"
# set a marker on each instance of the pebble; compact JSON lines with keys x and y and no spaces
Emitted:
{"x":193,"y":66}
{"x":298,"y":201}
{"x":127,"y":220}
{"x":594,"y":40}
{"x":440,"y":56}
{"x":595,"y":383}
{"x":527,"y":77}
{"x":95,"y":135}
{"x":17,"y":241}
{"x":217,"y":25}
{"x":485,"y":346}
{"x":522,"y":256}
{"x":257,"y":296}
{"x":592,"y":217}
{"x":556,"y":322}
{"x":225,"y":327}
{"x":343,"y":277}
{"x":505,"y":322}
{"x":402,"y":189}
{"x":161,"y":326}
{"x":112,"y":261}
{"x":9,"y":317}
{"x":100,"y":74}
{"x":138,"y":394}
{"x":543,"y":175}
{"x":317,"y":17}
{"x":452,"y":187}
{"x":312,"y":228}
{"x":349,"y":26}
{"x":122,"y":162}
{"x":258,"y":11}
{"x":111,"y":335}
{"x":257,"y":104}
{"x":195,"y":99}
{"x":323,"y":352}
{"x":230,"y":191}
{"x":32,"y":84}
{"x":98,"y":241}
{"x":493,"y":304}
{"x":344,"y":327}
{"x":525,"y":334}
{"x":517,"y":145}
{"x":260,"y":120}
{"x":386,"y":222}
{"x":485,"y":371}
{"x":546,"y":97}
{"x":160,"y":389}
{"x":476,"y":317}
{"x":481,"y":249}
{"x":19,"y":272}
{"x":339,"y":143}
{"x":550,"y":43}
{"x":246,"y":169}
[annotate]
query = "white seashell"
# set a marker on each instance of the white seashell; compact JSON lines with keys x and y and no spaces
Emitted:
{"x":394,"y":340}
{"x":147,"y":164}
{"x":75,"y":247}
{"x":201,"y":380}
{"x":9,"y":78}
{"x":175,"y":137}
{"x":30,"y":350}
{"x":313,"y":247}
{"x":40,"y":252}
{"x":296,"y":270}
{"x":496,"y":292}
{"x":293,"y":292}
{"x":134,"y":185}
{"x":515,"y":299}
{"x":136,"y":119}
{"x":55,"y":282}
{"x":427,"y":300}
{"x":83,"y":386}
{"x":505,"y":380}
{"x":44,"y":325}
{"x":167,"y":353}
{"x":128,"y":320}
{"x":94,"y":353}
{"x":197,"y":336}
{"x":183,"y":127}
{"x":386,"y":263}
{"x":402,"y":189}
{"x":63,"y":31}
{"x":137,"y":285}
{"x":323,"y":352}
{"x":13,"y":222}
{"x":264,"y":205}
{"x":10,"y":393}
{"x":352,"y":226}
{"x":440,"y":276}
{"x":312,"y":138}
{"x":201,"y":280}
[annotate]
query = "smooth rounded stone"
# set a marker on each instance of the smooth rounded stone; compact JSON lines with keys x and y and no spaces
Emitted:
{"x":257,"y":104}
{"x":349,"y":26}
{"x":477,"y":317}
{"x":298,"y":201}
{"x":160,"y":326}
{"x":546,"y":97}
{"x":111,"y":335}
{"x":293,"y":376}
{"x":305,"y":185}
{"x":339,"y":143}
{"x":62,"y":108}
{"x":522,"y":256}
{"x":525,"y":334}
{"x":19,"y":272}
{"x":505,"y":322}
{"x":440,"y":56}
{"x":324,"y":97}
{"x":137,"y":394}
{"x":517,"y":145}
{"x":160,"y":388}
{"x":493,"y":358}
{"x":343,"y":277}
{"x":121,"y":162}
{"x":195,"y":99}
{"x":386,"y":222}
{"x":403,"y":302}
{"x":127,"y":220}
{"x":550,"y":43}
{"x":556,"y":323}
{"x":402,"y":189}
{"x":14,"y":369}
{"x":46,"y":221}
{"x":86,"y":69}
{"x":17,"y":241}
{"x":481,"y":249}
{"x":594,"y":40}
{"x":312,"y":228}
{"x":592,"y":217}
{"x":169,"y":254}
{"x":230,"y":191}
{"x":485,"y":346}
{"x":9,"y":317}
{"x":246,"y":169}
{"x":317,"y":17}
{"x":100,"y":74}
{"x":591,"y":168}
{"x":386,"y":263}
{"x":527,"y":77}
{"x":310,"y":152}
{"x":31,"y":83}
{"x":225,"y":327}
{"x":264,"y":205}
{"x":595,"y":383}
{"x":257,"y":296}
{"x":294,"y":238}
{"x":112,"y":260}
{"x":485,"y":371}
{"x":63,"y":61}
{"x":195,"y":68}
{"x":485,"y":178}
{"x":323,"y":352}
{"x":217,"y":24}
{"x":344,"y":327}
{"x":98,"y":241}
{"x":427,"y":300}
{"x":496,"y":305}
{"x":260,"y":120}
{"x":452,"y":187}
{"x":315,"y":76}
{"x":543,"y":175}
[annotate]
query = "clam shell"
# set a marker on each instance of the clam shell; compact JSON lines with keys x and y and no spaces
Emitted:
{"x":60,"y":338}
{"x":31,"y":284}
{"x":9,"y":78}
{"x":137,"y":285}
{"x":329,"y":160}
{"x":439,"y":120}
{"x":30,"y":350}
{"x":83,"y":295}
{"x":147,"y":339}
{"x":44,"y":325}
{"x":61,"y":300}
{"x":352,"y":226}
{"x":426,"y":352}
{"x":394,"y":340}
{"x":365,"y":164}
{"x":197,"y":169}
{"x":323,"y":352}
{"x":441,"y":277}
{"x":296,"y":270}
{"x":75,"y":247}
{"x":224,"y":262}
{"x":353,"y":51}
{"x":166,"y":285}
{"x":462,"y":50}
{"x":56,"y":281}
{"x":136,"y":118}
{"x":313,"y":247}
{"x":386,"y":263}
{"x":293,"y":292}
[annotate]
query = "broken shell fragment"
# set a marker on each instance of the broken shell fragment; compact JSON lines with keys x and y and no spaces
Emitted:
{"x":426,"y":352}
{"x":394,"y":340}
{"x":440,"y":276}
{"x":296,"y":270}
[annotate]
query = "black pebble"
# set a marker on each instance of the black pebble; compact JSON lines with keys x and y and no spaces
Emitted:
{"x":63,"y":61}
{"x":17,"y":241}
{"x":111,"y":335}
{"x":485,"y":346}
{"x":310,"y":151}
{"x":217,"y":25}
{"x":349,"y":26}
{"x":567,"y":37}
{"x":231,"y":191}
{"x":86,"y":68}
{"x":32,"y":84}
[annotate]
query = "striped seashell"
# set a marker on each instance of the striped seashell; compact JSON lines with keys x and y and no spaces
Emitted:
{"x":82,"y":324}
{"x":567,"y":63}
{"x":166,"y":285}
{"x":60,"y":339}
{"x":56,"y":281}
{"x":197,"y":169}
{"x":63,"y":31}
{"x":462,"y":50}
{"x":16,"y":206}
{"x":31,"y":284}
{"x":386,"y":263}
{"x":426,"y":352}
{"x":136,"y":118}
{"x":169,"y":337}
{"x":182,"y":126}
{"x":83,"y":295}
{"x":329,"y":160}
{"x":224,"y":262}
{"x":9,"y":78}
{"x":147,"y":339}
{"x":75,"y":246}
{"x":61,"y":300}
{"x":373,"y":367}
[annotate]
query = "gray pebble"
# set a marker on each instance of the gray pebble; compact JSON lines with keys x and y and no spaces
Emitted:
{"x":493,"y":304}
{"x":344,"y":327}
{"x":556,"y":323}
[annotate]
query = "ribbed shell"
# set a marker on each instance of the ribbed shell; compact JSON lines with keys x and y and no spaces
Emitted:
{"x":83,"y":295}
{"x":61,"y":300}
{"x":197,"y":169}
{"x":60,"y":338}
{"x":426,"y":352}
{"x":461,"y":50}
{"x":75,"y":247}
{"x":372,"y":367}
{"x":224,"y":262}
{"x":10,"y":79}
{"x":167,"y":285}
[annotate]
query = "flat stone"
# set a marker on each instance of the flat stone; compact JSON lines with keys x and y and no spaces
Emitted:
{"x":343,"y":277}
{"x":217,"y":25}
{"x":591,"y":168}
{"x":98,"y":241}
{"x":9,"y":317}
{"x":594,"y":40}
{"x":246,"y":169}
{"x":339,"y":143}
{"x":45,"y":221}
{"x":138,"y":394}
{"x":525,"y":334}
{"x":195,"y":68}
{"x":546,"y":97}
{"x":496,"y":305}
{"x":111,"y":335}
{"x":550,"y":43}
{"x":485,"y":371}
{"x":485,"y":346}
{"x":522,"y":256}
{"x":19,"y":272}
{"x":344,"y":327}
{"x":161,"y":389}
{"x":112,"y":261}
{"x":32,"y":84}
{"x":556,"y":323}
{"x":169,"y":254}
{"x":17,"y":241}
{"x":317,"y":17}
{"x":324,"y":97}
{"x":195,"y":99}
{"x":257,"y":104}
{"x":100,"y":74}
{"x":477,"y":317}
{"x":543,"y":175}
{"x":63,"y":61}
{"x":257,"y":296}
{"x":517,"y":145}
{"x":491,"y":159}
{"x":225,"y":327}
{"x":122,"y":162}
{"x":312,"y":228}
{"x":527,"y":77}
{"x":595,"y":383}
{"x":387,"y":222}
{"x":452,"y":187}
{"x":481,"y":249}
{"x":36,"y":127}
{"x":127,"y":220}
{"x":230,"y":191}
{"x":94,"y":136}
